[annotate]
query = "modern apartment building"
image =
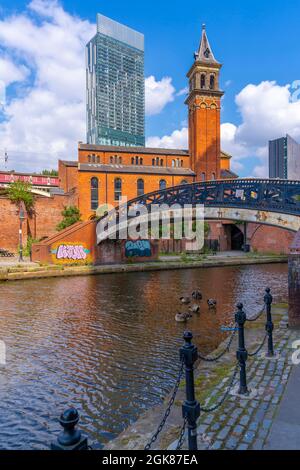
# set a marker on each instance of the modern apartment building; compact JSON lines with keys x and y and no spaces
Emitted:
{"x":115,"y":85}
{"x":284,"y":158}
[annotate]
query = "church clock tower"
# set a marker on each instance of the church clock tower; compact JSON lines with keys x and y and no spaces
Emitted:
{"x":204,"y":103}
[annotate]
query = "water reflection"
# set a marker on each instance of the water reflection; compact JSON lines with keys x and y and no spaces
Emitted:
{"x":107,"y":344}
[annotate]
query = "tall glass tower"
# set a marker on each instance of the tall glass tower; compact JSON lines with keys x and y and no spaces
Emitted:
{"x":115,"y":85}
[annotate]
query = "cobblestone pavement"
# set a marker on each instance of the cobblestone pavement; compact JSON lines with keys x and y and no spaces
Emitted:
{"x":242,"y":424}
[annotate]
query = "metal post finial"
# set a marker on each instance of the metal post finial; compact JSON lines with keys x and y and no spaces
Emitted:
{"x":203,"y":26}
{"x":70,"y":438}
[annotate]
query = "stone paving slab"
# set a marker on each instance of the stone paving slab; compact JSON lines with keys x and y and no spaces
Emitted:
{"x":285,"y":429}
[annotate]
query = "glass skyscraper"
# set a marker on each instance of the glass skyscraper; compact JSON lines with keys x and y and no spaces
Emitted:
{"x":115,"y":85}
{"x":284,"y":158}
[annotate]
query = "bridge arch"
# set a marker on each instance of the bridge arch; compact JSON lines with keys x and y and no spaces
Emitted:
{"x":268,"y":202}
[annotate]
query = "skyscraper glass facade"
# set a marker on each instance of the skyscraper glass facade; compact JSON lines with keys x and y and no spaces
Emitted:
{"x":115,"y":85}
{"x":284,"y":158}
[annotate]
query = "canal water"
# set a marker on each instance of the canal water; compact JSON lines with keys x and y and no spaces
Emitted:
{"x":108,"y":344}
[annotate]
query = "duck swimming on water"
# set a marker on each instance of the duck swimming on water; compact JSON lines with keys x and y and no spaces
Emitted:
{"x":212,"y":304}
{"x":182,"y":317}
{"x":185,"y":300}
{"x":196,"y":294}
{"x":194,"y":308}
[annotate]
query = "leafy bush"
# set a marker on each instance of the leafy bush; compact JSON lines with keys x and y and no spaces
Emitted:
{"x":71,"y":215}
{"x":20,"y":191}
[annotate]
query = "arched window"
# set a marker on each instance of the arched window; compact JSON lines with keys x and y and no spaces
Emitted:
{"x":89,"y":158}
{"x":184,"y":182}
{"x":153,"y":162}
{"x":111,"y":159}
{"x":140,"y":187}
{"x":132,"y":161}
{"x":181,"y":163}
{"x":203,"y":176}
{"x":94,"y":194}
{"x":157,"y":161}
{"x":203,"y":79}
{"x":98,"y":159}
{"x":173,"y":163}
{"x":141,"y":161}
{"x":212,"y":82}
{"x":118,"y":189}
{"x":93,"y":158}
{"x":161,"y":162}
{"x":136,"y":160}
{"x":162,"y":184}
{"x":120,"y":160}
{"x":213,"y":176}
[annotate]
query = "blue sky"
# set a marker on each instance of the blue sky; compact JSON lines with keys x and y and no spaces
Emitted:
{"x":256,"y":41}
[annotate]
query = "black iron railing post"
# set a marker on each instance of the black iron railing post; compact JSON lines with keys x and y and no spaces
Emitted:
{"x":191,"y":407}
{"x":70,"y":438}
{"x":242,"y":354}
{"x":269,"y":325}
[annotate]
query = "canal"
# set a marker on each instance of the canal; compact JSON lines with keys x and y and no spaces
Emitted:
{"x":108,"y":344}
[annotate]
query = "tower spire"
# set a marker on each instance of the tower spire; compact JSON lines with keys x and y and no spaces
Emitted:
{"x":205,"y":53}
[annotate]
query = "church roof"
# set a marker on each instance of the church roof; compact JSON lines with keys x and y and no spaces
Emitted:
{"x":205,"y":53}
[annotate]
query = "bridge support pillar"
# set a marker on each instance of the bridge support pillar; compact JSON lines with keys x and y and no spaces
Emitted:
{"x":294,"y":283}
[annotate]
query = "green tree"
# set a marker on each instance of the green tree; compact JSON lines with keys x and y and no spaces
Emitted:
{"x":50,"y":172}
{"x":20,"y":191}
{"x":71,"y":215}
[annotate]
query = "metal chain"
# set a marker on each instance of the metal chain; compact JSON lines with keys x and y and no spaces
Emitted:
{"x":216,"y":358}
{"x":260,"y":347}
{"x":258,"y":316}
{"x":182,"y":435}
{"x":168,"y":410}
{"x":215,"y":407}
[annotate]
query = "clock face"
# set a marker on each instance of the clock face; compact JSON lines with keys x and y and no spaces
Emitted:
{"x":207,"y":53}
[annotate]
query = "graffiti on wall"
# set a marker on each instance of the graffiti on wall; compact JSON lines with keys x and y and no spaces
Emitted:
{"x":63,"y":252}
{"x":140,"y":248}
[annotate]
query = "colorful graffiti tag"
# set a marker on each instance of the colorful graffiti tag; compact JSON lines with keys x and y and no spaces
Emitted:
{"x":140,"y":248}
{"x":70,"y":252}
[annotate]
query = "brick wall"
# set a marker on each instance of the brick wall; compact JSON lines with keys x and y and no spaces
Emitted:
{"x":42,"y":224}
{"x":266,"y":239}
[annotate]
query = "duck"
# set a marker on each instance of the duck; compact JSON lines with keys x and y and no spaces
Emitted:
{"x":185,"y":300}
{"x":212,"y":303}
{"x":196,"y":294}
{"x":182,"y":317}
{"x":194,"y":308}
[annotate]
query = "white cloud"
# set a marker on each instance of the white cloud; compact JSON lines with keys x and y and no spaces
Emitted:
{"x":177,"y":140}
{"x":158,"y":93}
{"x":11,"y":73}
{"x":268,"y":111}
{"x":47,"y":121}
{"x":183,"y":91}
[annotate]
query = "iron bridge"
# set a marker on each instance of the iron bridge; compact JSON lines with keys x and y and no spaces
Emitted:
{"x":255,"y":195}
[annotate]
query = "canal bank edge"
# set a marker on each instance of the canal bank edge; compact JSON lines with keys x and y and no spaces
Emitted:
{"x":16,"y":273}
{"x":239,"y":424}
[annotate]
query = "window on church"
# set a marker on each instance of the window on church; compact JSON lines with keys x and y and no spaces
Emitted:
{"x":89,"y":158}
{"x":203,"y":177}
{"x":173,"y":163}
{"x":132,"y":161}
{"x":118,"y":189}
{"x":94,"y":194}
{"x":98,"y":159}
{"x":161,"y":162}
{"x":213,"y":176}
{"x":141,"y":161}
{"x":111,"y":159}
{"x":153,"y":161}
{"x":212,"y":82}
{"x":162,"y":184}
{"x":203,"y":77}
{"x":140,"y":187}
{"x":120,"y":160}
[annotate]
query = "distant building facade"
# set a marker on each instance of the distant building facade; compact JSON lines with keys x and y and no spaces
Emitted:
{"x":115,"y":85}
{"x":284,"y":158}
